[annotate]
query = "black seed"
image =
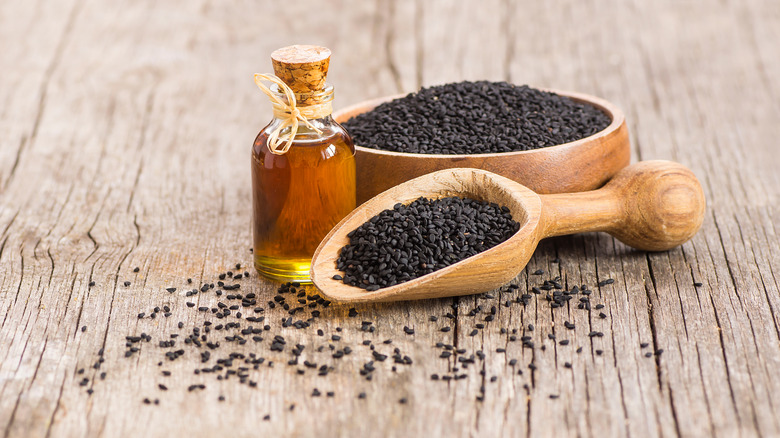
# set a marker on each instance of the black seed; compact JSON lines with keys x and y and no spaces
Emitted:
{"x":409,"y":241}
{"x":475,"y":117}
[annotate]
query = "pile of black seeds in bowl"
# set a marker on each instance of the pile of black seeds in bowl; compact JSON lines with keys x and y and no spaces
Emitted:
{"x":475,"y":118}
{"x":409,"y":241}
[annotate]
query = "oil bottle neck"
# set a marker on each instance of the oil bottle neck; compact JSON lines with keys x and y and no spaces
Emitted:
{"x":312,"y":105}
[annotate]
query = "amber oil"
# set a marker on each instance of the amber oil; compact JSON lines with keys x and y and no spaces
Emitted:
{"x":299,"y":196}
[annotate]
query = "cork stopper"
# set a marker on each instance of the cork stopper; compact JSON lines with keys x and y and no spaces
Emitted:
{"x":303,"y":68}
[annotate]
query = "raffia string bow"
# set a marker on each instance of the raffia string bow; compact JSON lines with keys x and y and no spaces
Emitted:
{"x":289,"y":112}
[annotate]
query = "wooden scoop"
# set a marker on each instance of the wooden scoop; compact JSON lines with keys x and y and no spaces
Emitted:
{"x":651,"y":205}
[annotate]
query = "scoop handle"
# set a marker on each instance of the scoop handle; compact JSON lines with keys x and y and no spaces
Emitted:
{"x":650,"y":205}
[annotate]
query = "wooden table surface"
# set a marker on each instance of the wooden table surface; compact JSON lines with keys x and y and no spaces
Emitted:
{"x":126,"y":131}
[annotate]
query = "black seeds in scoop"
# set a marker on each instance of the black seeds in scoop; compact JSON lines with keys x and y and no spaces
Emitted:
{"x":409,"y":241}
{"x":475,"y":118}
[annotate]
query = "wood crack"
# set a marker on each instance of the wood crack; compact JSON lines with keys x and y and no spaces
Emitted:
{"x":7,"y":430}
{"x":508,"y":6}
{"x":674,"y":412}
{"x":389,"y":41}
{"x":623,"y":403}
{"x":95,"y":243}
{"x":704,"y":385}
{"x":141,"y":142}
{"x":651,"y":316}
{"x":419,"y":20}
{"x":44,"y":89}
{"x":725,"y":359}
{"x":19,"y":286}
{"x":56,"y":408}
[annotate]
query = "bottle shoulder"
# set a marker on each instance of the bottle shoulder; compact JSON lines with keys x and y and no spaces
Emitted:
{"x":331,"y":133}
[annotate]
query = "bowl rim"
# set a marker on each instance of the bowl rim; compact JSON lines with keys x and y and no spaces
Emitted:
{"x":617,"y":116}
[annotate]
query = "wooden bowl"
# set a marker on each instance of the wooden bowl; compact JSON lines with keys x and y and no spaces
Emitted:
{"x":576,"y":166}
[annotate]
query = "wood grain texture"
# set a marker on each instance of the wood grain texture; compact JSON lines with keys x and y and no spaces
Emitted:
{"x":577,"y":166}
{"x":652,"y":205}
{"x":127,"y":128}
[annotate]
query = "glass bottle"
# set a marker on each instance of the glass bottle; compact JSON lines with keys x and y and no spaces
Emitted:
{"x":299,"y":195}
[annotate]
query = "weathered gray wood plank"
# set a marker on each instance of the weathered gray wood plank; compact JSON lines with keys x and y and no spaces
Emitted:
{"x":127,"y":130}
